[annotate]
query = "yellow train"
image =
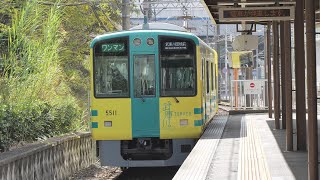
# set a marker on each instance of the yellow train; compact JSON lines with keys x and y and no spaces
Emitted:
{"x":152,"y":94}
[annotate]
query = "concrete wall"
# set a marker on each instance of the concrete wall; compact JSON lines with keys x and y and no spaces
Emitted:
{"x":56,"y":158}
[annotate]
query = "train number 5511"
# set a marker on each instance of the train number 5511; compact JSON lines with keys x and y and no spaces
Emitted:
{"x":111,"y":112}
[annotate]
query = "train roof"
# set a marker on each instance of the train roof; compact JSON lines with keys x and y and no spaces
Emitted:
{"x":139,"y":32}
{"x":157,"y":28}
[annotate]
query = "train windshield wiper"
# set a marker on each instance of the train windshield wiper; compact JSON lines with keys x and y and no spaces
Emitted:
{"x":142,"y":99}
{"x":175,"y":98}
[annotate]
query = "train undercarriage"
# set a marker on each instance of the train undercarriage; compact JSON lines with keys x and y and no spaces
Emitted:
{"x":144,"y":152}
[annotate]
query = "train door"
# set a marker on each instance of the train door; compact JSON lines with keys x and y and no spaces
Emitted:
{"x":145,"y":99}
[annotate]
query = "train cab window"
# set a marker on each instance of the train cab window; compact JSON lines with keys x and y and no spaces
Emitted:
{"x":177,"y":67}
{"x":111,"y":68}
{"x":144,"y":76}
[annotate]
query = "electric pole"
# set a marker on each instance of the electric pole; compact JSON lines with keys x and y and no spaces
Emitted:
{"x":125,"y":14}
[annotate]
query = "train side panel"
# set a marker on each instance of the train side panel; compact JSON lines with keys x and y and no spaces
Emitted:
{"x":215,"y":93}
{"x":210,"y":77}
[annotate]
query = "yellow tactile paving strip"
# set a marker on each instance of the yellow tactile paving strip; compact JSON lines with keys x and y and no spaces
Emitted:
{"x":252,"y":161}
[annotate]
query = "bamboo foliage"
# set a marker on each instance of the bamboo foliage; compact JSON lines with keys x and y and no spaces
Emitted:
{"x":30,"y":105}
{"x":45,"y":81}
{"x":33,"y":58}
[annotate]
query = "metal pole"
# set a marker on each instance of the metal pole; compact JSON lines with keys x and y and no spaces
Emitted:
{"x":283,"y":69}
{"x":276,"y":73}
{"x":125,"y":15}
{"x":235,"y":72}
{"x":312,"y":91}
{"x":265,"y":98}
{"x":220,"y":63}
{"x":226,"y":59}
{"x":268,"y":58}
{"x":231,"y":97}
{"x":288,"y":85}
{"x":300,"y":76}
{"x":248,"y":77}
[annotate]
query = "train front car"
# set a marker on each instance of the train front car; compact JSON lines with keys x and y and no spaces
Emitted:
{"x":147,"y":105}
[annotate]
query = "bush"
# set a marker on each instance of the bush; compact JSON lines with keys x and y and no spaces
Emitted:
{"x":29,"y":122}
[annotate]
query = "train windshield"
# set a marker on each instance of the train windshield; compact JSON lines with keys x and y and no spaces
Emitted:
{"x":178,"y":67}
{"x":144,"y":75}
{"x":111,"y":68}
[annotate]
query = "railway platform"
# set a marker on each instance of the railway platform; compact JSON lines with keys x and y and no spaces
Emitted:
{"x":244,"y":146}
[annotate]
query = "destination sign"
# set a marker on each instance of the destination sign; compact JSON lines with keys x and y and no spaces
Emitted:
{"x":113,"y":47}
{"x":256,"y":14}
{"x":175,"y":45}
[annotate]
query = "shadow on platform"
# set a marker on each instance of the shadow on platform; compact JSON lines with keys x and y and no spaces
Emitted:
{"x":297,"y":161}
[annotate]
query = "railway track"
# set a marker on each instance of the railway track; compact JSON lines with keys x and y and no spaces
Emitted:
{"x":157,"y":173}
{"x":96,"y":172}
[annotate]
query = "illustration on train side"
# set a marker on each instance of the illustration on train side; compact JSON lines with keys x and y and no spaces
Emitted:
{"x":153,"y":92}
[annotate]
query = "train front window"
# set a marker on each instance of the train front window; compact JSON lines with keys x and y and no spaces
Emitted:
{"x":144,"y":76}
{"x":178,"y":67}
{"x":111,"y":68}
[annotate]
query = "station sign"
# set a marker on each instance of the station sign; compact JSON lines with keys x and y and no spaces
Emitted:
{"x":252,"y":87}
{"x":257,"y":13}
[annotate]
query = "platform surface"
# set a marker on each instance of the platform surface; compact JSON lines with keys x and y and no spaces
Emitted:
{"x":248,"y":148}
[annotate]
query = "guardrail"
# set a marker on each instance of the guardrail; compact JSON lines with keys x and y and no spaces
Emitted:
{"x":259,"y":101}
{"x":55,"y":158}
{"x":248,"y":94}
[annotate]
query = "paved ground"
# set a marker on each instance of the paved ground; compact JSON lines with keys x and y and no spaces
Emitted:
{"x":225,"y":161}
{"x":251,"y":148}
{"x":283,"y":164}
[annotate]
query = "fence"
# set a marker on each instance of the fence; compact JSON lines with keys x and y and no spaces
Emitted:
{"x":56,"y":158}
{"x":239,"y":100}
{"x":248,"y":94}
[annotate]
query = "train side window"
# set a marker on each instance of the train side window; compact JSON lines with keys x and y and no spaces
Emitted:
{"x":207,"y":76}
{"x":202,"y":69}
{"x":212,"y":76}
{"x":111,"y":68}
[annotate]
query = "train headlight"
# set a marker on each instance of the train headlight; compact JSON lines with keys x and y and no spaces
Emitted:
{"x":183,"y":122}
{"x":150,"y":41}
{"x":137,"y":41}
{"x":108,"y":124}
